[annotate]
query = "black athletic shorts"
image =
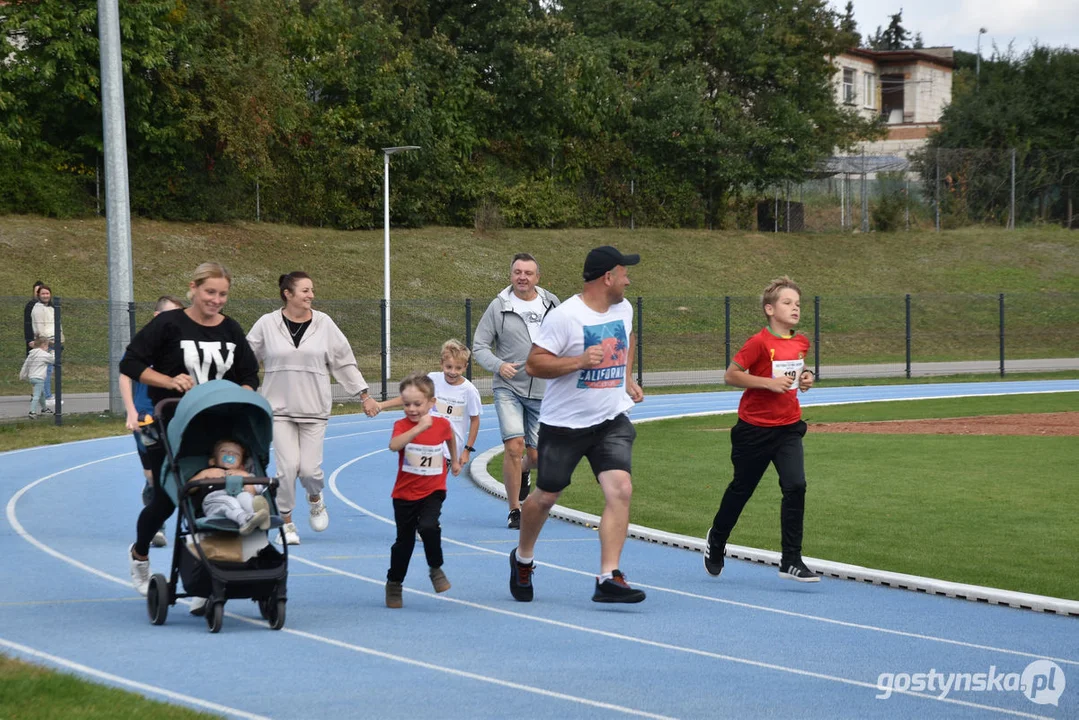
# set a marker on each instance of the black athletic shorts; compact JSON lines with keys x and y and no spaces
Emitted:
{"x":608,"y":446}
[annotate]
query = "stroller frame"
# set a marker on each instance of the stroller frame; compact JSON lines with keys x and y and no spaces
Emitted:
{"x":262,"y":578}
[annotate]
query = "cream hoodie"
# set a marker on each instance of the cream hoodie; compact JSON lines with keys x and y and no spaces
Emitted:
{"x":296,"y":380}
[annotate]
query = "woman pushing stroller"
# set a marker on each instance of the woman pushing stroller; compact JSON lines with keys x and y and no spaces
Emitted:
{"x":177,"y":350}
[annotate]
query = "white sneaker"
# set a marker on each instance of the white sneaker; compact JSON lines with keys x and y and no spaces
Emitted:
{"x":320,"y":519}
{"x":258,"y":518}
{"x":291,"y":536}
{"x":140,"y":572}
{"x":159,"y":539}
{"x":198,"y":607}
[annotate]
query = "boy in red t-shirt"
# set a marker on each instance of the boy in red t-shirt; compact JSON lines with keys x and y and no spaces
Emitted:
{"x":420,"y":489}
{"x":771,"y":367}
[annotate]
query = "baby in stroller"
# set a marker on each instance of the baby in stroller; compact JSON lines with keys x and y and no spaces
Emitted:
{"x":247,"y":508}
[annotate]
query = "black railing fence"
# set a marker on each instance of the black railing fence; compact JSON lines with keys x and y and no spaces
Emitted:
{"x":680,"y":340}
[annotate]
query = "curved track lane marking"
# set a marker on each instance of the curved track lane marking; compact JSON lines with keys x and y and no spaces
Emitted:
{"x":13,"y":519}
{"x":133,"y":684}
{"x":332,"y":483}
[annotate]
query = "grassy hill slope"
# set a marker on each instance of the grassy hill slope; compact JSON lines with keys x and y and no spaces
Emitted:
{"x":457,"y":263}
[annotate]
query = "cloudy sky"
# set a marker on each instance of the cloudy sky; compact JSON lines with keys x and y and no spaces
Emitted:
{"x":956,"y":22}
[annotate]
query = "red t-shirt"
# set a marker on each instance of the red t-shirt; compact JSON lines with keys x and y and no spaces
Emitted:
{"x":421,"y":467}
{"x":768,"y":355}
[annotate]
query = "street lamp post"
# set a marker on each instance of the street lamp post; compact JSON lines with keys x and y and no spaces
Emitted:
{"x":386,"y":243}
{"x":978,"y":62}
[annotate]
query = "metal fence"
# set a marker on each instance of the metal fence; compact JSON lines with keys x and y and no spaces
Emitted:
{"x":932,"y":189}
{"x":681,"y":340}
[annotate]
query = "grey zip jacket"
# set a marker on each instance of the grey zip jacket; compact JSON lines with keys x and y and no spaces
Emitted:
{"x":504,"y":329}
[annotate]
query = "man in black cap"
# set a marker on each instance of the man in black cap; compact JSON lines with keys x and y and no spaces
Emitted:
{"x":585,"y":350}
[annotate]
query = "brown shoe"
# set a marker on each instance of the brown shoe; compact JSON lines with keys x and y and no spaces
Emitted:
{"x":439,"y":580}
{"x":393,"y":595}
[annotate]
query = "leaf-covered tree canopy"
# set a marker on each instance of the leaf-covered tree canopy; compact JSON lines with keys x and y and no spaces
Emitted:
{"x":549,"y":113}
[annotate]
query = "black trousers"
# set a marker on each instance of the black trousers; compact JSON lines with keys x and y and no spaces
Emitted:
{"x":159,"y":509}
{"x":410,"y":516}
{"x":752,"y":449}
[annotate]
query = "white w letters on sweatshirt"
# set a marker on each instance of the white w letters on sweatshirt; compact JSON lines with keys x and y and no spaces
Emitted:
{"x":200,"y":357}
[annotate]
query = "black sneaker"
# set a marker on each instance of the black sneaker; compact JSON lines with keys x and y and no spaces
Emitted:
{"x":713,"y":556}
{"x":513,"y":521}
{"x":616,"y":590}
{"x":796,"y":570}
{"x":526,"y":482}
{"x":520,"y":578}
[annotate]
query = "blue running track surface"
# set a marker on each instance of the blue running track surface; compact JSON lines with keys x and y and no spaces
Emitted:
{"x":747,"y":645}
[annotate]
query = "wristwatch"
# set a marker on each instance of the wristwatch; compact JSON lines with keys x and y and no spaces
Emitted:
{"x":470,"y":448}
{"x":364,"y":395}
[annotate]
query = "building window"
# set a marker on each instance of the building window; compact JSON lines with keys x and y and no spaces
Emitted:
{"x":871,"y":91}
{"x":848,"y":86}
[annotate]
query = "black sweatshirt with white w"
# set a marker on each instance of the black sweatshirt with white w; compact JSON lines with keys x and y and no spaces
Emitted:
{"x":174,"y":344}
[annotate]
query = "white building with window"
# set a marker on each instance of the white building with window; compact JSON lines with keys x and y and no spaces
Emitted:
{"x":907,"y":89}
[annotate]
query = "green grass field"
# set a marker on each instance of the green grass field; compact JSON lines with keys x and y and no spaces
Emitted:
{"x":28,"y":692}
{"x":987,"y":510}
{"x":954,"y":278}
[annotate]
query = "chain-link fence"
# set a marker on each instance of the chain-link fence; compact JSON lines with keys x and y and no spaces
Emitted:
{"x":681,"y":340}
{"x":933,"y":189}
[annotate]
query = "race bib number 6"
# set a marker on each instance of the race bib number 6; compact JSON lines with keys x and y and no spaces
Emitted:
{"x":423,"y":459}
{"x":448,"y":410}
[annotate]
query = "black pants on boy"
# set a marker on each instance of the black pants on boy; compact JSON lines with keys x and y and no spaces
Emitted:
{"x":752,"y":449}
{"x":410,"y":516}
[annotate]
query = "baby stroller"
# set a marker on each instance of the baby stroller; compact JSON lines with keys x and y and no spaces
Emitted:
{"x":190,"y":426}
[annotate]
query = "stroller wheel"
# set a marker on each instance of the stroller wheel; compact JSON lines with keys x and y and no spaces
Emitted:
{"x":275,"y":614}
{"x":264,"y":609}
{"x":215,"y":613}
{"x":158,"y":600}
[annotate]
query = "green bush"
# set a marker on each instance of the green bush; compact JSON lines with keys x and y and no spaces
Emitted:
{"x":43,"y":186}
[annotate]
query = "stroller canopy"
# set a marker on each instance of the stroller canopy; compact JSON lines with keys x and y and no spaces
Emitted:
{"x":217,"y":410}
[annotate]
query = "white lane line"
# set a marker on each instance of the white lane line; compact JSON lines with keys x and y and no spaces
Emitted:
{"x":461,"y":673}
{"x":13,"y":519}
{"x":662,"y":645}
{"x":332,"y":483}
{"x":133,"y":684}
{"x":8,"y":453}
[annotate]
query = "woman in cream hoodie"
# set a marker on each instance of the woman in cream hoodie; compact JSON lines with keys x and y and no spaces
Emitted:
{"x":300,"y":348}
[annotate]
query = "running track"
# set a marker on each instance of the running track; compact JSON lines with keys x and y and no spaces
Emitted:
{"x":748,"y":645}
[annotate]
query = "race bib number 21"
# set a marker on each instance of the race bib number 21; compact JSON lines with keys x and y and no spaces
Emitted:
{"x":423,"y":459}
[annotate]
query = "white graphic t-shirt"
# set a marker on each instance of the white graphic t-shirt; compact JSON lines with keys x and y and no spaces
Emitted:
{"x":531,"y":311}
{"x":585,"y":398}
{"x":456,"y":403}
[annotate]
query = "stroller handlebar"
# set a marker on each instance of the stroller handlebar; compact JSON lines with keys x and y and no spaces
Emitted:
{"x":219,"y":482}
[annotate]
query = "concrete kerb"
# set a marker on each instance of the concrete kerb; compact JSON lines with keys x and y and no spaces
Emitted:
{"x":842,"y":571}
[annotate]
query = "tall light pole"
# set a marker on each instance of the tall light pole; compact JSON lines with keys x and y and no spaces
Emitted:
{"x":386,"y":243}
{"x":978,"y":62}
{"x":117,"y":203}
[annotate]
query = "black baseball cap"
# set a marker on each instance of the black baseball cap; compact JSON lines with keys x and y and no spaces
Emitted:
{"x":603,"y":259}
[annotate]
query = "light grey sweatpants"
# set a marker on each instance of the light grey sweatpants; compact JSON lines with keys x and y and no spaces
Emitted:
{"x":237,"y":508}
{"x":297,"y":448}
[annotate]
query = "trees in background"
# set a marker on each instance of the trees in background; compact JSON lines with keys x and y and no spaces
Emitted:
{"x":1027,"y":102}
{"x":578,"y":113}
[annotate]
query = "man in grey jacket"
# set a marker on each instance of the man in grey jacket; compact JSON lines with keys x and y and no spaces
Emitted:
{"x":502,"y":343}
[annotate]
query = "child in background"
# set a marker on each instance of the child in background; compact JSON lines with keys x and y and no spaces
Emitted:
{"x":34,"y":369}
{"x":137,"y":404}
{"x":420,"y":488}
{"x":456,"y":399}
{"x":771,"y":367}
{"x":247,"y":509}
